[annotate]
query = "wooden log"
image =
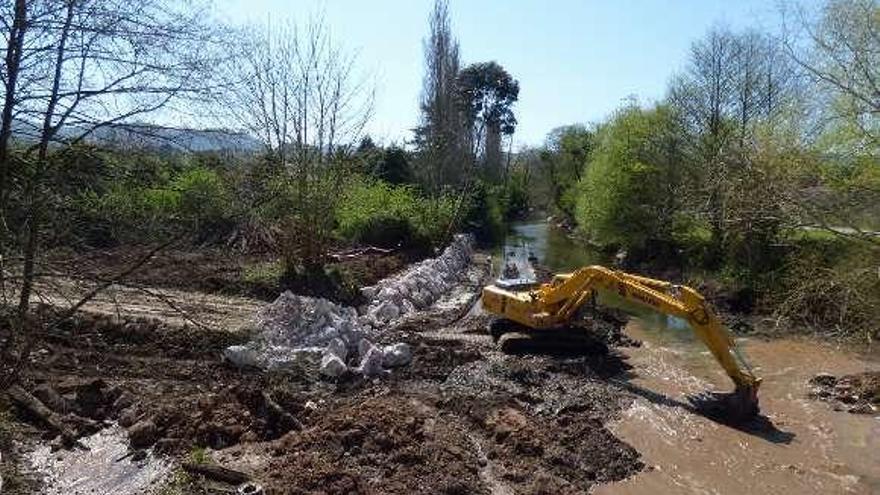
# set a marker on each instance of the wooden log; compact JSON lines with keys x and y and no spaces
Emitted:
{"x":279,"y":415}
{"x":32,"y":405}
{"x":217,"y":473}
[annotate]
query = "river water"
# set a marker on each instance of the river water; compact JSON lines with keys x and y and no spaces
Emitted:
{"x":798,"y":446}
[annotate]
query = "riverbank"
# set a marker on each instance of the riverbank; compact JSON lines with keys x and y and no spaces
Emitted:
{"x":799,"y":445}
{"x":461,"y":418}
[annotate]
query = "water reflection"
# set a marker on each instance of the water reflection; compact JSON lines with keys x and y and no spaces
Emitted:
{"x":552,"y":247}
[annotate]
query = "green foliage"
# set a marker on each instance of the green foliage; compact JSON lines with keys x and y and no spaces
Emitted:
{"x":393,"y":166}
{"x":376,"y":212}
{"x":629,"y":194}
{"x":487,"y":92}
{"x":198,"y":455}
{"x":263,"y":273}
{"x":204,"y":200}
{"x":486,"y":214}
{"x":196,"y":200}
{"x":492,"y":206}
{"x":516,"y":195}
{"x":564,"y":159}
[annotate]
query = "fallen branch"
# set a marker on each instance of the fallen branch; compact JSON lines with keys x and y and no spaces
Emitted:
{"x":107,"y":283}
{"x":32,"y":405}
{"x":217,"y":473}
{"x":68,"y":313}
{"x":282,"y":417}
{"x":358,"y":252}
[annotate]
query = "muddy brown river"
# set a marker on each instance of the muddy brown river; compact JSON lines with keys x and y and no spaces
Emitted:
{"x":803,"y":447}
{"x":800,"y":446}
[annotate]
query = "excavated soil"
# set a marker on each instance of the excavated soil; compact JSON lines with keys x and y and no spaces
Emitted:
{"x":461,"y":418}
{"x":223,"y":272}
{"x":857,"y":393}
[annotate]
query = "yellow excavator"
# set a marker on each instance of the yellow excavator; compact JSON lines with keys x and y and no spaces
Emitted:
{"x":550,"y":308}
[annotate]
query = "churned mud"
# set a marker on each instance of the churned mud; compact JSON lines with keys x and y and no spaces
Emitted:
{"x":856,"y":393}
{"x":153,"y":393}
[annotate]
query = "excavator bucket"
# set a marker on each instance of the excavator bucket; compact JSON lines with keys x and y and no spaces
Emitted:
{"x":735,"y":407}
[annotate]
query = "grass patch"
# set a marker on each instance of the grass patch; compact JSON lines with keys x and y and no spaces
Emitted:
{"x":182,"y":483}
{"x":263,"y":273}
{"x":198,"y":455}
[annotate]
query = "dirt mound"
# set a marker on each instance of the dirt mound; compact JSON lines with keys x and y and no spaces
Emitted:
{"x":229,"y":272}
{"x":238,"y":413}
{"x":857,"y":393}
{"x":564,"y":453}
{"x":141,"y":336}
{"x":389,"y":444}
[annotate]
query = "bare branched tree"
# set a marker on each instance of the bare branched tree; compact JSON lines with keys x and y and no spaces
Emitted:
{"x":74,"y":68}
{"x":302,"y":95}
{"x":839,"y":48}
{"x":734,"y":84}
{"x":297,"y":91}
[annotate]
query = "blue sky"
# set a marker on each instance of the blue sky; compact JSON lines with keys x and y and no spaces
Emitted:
{"x":576,"y":60}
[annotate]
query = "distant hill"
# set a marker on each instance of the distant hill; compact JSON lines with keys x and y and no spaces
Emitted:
{"x":157,"y":138}
{"x":168,"y":138}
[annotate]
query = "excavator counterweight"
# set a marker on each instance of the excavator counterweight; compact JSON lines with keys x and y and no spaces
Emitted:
{"x":552,"y":306}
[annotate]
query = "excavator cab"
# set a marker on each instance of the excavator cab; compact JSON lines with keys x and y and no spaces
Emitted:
{"x":548,"y":311}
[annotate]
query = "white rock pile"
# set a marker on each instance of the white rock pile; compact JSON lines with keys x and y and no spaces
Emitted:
{"x":296,"y":330}
{"x":417,"y":287}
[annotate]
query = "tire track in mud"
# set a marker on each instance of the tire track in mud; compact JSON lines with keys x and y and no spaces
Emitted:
{"x":173,"y":307}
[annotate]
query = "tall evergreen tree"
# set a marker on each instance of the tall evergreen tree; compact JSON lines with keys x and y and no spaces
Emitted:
{"x":441,"y":134}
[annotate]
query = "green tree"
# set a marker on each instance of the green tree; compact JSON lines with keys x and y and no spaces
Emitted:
{"x":394,"y":167}
{"x":564,"y":159}
{"x":629,"y":193}
{"x":487,"y":93}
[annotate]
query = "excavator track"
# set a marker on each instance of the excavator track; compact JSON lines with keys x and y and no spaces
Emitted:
{"x":513,"y":338}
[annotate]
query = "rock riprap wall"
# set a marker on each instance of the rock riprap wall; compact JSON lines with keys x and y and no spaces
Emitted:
{"x":296,"y":330}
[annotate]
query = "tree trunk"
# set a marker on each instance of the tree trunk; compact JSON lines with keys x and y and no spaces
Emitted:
{"x":32,"y":191}
{"x":13,"y":61}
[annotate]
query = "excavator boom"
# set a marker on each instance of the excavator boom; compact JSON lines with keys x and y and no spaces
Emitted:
{"x":555,"y":304}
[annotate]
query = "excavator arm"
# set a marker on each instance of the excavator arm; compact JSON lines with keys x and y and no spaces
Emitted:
{"x":555,"y":304}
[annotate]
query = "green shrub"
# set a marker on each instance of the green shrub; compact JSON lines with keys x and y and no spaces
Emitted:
{"x":486,"y":213}
{"x":375,"y":212}
{"x":203,"y":201}
{"x":195,"y":201}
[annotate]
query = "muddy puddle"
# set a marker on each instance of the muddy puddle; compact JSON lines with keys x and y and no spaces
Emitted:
{"x":800,"y":446}
{"x":103,"y":466}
